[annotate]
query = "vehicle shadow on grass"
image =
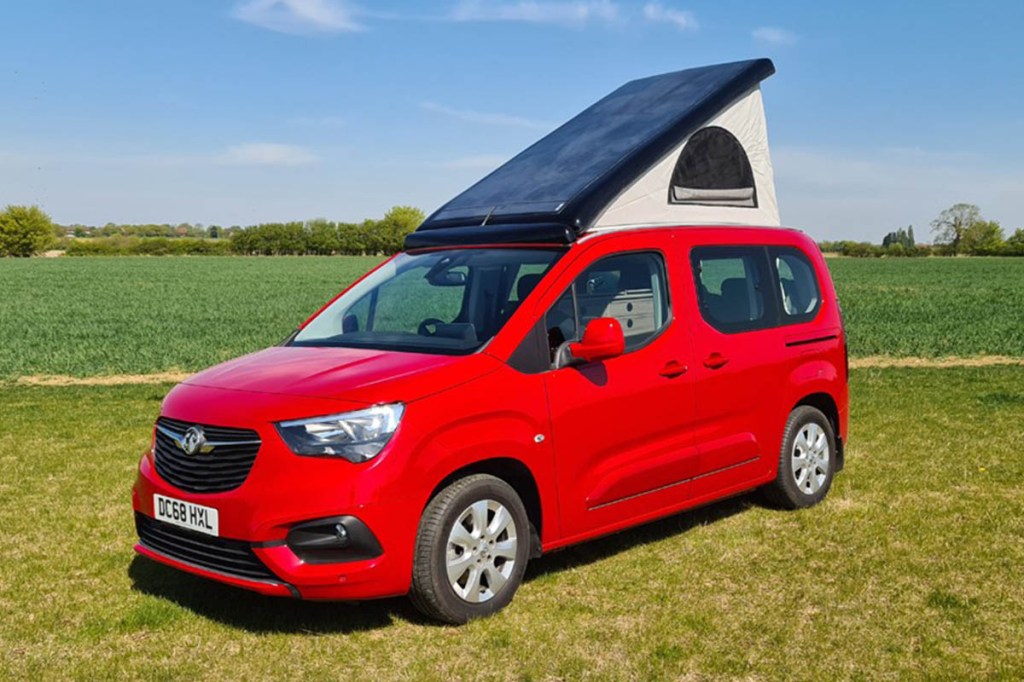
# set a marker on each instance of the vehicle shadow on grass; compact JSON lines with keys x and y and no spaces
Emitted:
{"x":253,"y":612}
{"x":262,"y":614}
{"x":654,"y":531}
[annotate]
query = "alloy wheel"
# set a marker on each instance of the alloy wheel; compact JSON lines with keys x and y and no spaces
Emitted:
{"x":481,"y":551}
{"x":810,"y":458}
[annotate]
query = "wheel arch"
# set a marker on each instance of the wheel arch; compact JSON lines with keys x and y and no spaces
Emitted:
{"x":827,"y":405}
{"x":516,"y":474}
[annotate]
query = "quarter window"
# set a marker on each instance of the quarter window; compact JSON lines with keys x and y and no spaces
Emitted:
{"x":798,"y":285}
{"x":630,"y":287}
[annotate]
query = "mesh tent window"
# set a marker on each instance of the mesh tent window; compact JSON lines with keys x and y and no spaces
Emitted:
{"x":713,"y":169}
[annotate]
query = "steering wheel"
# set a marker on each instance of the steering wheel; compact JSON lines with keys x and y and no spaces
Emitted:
{"x":424,"y":330}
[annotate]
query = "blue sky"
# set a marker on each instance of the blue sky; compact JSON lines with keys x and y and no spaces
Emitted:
{"x":222,"y":112}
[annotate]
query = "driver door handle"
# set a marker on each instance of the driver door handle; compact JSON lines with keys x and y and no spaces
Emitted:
{"x":715,"y":361}
{"x":673,"y":369}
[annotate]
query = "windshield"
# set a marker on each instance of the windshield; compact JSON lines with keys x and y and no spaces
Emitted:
{"x":449,"y":302}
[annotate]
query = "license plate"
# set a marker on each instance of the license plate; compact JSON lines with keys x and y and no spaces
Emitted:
{"x":186,"y":514}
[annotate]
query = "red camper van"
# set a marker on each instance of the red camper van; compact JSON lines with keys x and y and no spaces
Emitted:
{"x":587,"y":339}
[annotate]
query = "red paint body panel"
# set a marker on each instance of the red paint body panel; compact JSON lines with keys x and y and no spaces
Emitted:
{"x":608,"y":444}
{"x":353,"y":373}
{"x":621,"y":428}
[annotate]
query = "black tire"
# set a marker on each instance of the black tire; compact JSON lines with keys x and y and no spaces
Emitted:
{"x":784,"y":491}
{"x":432,"y":592}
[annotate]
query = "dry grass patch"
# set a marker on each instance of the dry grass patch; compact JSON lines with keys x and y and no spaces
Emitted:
{"x":104,"y":380}
{"x":176,"y":376}
{"x":887,"y":361}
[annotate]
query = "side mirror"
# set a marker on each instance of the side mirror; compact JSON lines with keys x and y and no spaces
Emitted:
{"x":602,"y":339}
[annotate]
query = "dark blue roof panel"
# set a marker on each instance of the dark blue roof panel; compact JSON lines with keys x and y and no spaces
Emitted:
{"x":569,"y":176}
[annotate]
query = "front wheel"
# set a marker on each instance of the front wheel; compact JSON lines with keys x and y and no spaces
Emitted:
{"x":471,"y":550}
{"x":806,"y":461}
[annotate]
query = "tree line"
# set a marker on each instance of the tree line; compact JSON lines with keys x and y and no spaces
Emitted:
{"x":27,"y":230}
{"x":324,"y":237}
{"x":960,"y":230}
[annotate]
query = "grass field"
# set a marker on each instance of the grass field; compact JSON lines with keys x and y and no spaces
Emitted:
{"x":911,"y":568}
{"x":137,"y":315}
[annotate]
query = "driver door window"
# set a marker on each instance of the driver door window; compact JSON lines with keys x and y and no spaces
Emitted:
{"x":631,"y":287}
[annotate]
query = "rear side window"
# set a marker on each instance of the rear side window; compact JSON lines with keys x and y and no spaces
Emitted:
{"x":733,"y":287}
{"x":798,"y":285}
{"x":630,"y":287}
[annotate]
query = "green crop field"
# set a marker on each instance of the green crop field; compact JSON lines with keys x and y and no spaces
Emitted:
{"x":932,"y":306}
{"x":86,"y":316}
{"x":95,"y":316}
{"x":909,"y":569}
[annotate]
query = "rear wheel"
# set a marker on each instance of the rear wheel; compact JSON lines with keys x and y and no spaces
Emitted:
{"x":471,"y":550}
{"x":806,"y":461}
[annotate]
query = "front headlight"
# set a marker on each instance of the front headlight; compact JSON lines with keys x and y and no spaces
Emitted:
{"x":356,"y":436}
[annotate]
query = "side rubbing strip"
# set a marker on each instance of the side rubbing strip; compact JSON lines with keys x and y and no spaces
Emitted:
{"x":817,"y":339}
{"x":673,"y":485}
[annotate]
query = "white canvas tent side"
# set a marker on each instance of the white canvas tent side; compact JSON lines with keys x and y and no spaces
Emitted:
{"x":661,"y":196}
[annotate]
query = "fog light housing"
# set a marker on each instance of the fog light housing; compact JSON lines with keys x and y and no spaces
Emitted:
{"x":341,"y":533}
{"x":335,"y":539}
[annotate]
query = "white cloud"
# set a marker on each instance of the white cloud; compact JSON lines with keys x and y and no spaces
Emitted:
{"x":576,"y":13}
{"x":773,"y":35}
{"x":303,"y":17}
{"x":482,"y":162}
{"x":267,"y":154}
{"x":484,"y":118}
{"x":683,"y":20}
{"x":298,"y":16}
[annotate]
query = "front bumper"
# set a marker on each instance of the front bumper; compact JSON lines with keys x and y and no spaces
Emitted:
{"x":268,"y":587}
{"x":286,"y":573}
{"x":281,"y":491}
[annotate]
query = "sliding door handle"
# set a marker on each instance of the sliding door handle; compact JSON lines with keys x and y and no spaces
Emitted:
{"x":715,"y":361}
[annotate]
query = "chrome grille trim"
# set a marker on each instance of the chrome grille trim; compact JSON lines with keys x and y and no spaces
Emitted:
{"x":223,"y":465}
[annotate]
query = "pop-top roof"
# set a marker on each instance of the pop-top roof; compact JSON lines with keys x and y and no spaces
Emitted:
{"x":564,"y":183}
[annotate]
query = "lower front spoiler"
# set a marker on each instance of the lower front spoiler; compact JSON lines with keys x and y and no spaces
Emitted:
{"x":267,"y":587}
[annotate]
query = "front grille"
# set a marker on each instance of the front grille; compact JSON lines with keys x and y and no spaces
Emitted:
{"x":223,"y":468}
{"x":231,"y":557}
